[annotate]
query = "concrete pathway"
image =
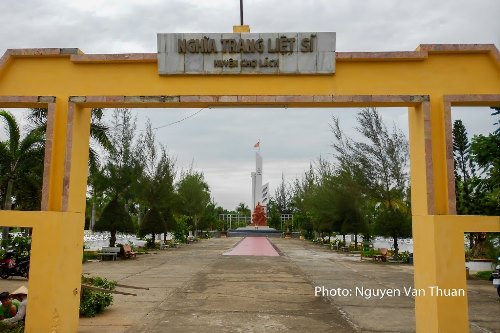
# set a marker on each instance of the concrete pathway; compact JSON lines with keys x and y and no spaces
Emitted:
{"x":389,"y":314}
{"x":197,"y":289}
{"x":254,"y":246}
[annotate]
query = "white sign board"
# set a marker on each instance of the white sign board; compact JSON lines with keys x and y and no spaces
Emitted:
{"x":246,"y":53}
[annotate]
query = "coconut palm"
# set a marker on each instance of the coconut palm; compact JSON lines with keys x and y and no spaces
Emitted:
{"x":242,"y":208}
{"x":21,"y":166}
{"x":99,"y":132}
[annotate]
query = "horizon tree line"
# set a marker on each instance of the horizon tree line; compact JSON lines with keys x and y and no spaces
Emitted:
{"x":365,"y":188}
{"x":134,"y":185}
{"x":132,"y":181}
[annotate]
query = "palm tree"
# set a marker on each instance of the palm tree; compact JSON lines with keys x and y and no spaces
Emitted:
{"x":99,"y":132}
{"x":242,"y":208}
{"x":21,"y":161}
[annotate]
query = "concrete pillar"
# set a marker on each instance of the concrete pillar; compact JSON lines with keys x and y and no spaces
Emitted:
{"x":57,"y":246}
{"x":440,"y":263}
{"x":438,"y":246}
{"x":55,"y":273}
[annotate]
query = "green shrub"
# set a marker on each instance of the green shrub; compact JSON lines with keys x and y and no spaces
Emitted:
{"x":21,"y":245}
{"x":94,"y":302}
{"x":483,"y":275}
{"x":89,"y":256}
{"x":151,"y":245}
{"x":403,"y":256}
{"x":140,"y":250}
{"x":370,"y":252}
{"x":19,"y":328}
{"x":181,"y":231}
{"x":308,"y":234}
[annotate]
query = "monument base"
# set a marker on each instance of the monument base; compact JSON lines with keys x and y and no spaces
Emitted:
{"x":255,"y":231}
{"x":256,"y":227}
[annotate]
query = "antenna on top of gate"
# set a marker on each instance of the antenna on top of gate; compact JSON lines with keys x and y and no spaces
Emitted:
{"x":241,"y":28}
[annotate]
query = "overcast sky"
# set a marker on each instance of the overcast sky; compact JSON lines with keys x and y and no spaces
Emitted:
{"x":220,"y":141}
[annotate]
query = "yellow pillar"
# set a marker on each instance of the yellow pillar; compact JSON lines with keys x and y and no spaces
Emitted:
{"x":57,"y":247}
{"x":55,"y":270}
{"x":441,"y":196}
{"x":437,"y":249}
{"x":54,"y":155}
{"x":76,"y":159}
{"x":421,"y":180}
{"x":438,"y":246}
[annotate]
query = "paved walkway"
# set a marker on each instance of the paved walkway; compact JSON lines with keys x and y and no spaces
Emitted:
{"x":197,"y":289}
{"x":254,"y":246}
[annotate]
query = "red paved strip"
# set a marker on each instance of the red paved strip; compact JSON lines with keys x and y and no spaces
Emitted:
{"x":254,"y":246}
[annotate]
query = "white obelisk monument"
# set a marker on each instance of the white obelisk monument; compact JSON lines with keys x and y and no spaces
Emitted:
{"x":259,"y":192}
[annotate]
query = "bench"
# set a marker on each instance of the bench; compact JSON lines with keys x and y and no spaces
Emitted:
{"x":382,"y":256}
{"x":128,"y":253}
{"x":109,"y":252}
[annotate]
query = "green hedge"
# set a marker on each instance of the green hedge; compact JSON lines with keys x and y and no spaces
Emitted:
{"x":19,"y":328}
{"x":94,"y":302}
{"x":483,"y":275}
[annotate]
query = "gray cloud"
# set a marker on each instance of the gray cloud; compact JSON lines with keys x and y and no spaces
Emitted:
{"x":130,"y":26}
{"x":221,"y":140}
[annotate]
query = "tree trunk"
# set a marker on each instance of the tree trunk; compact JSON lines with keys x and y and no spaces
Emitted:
{"x":8,"y":205}
{"x":343,"y":240}
{"x":139,"y":216}
{"x":153,"y":239}
{"x":8,"y":195}
{"x":396,"y":248}
{"x":356,"y":242}
{"x":195,"y":220}
{"x":92,"y":217}
{"x":471,"y":241}
{"x":112,"y":239}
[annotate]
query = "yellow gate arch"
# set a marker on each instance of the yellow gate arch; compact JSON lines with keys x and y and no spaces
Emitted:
{"x":429,"y":81}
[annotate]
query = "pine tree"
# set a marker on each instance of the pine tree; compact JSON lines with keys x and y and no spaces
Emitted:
{"x":115,"y":218}
{"x":464,"y":168}
{"x":153,"y":223}
{"x":381,"y":164}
